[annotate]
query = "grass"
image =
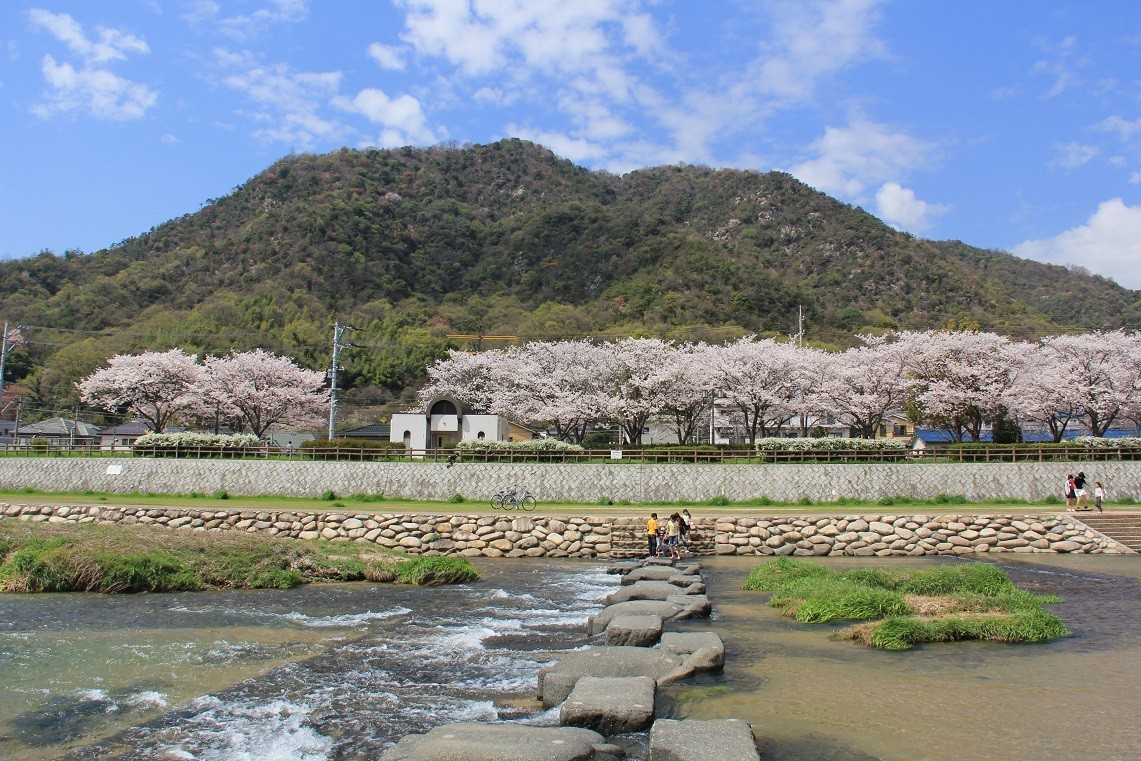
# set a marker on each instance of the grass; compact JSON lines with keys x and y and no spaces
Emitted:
{"x":904,"y":607}
{"x":942,"y":503}
{"x":39,"y":557}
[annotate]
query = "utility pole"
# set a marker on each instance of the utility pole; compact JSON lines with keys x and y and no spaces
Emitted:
{"x":338,"y":334}
{"x":3,"y":356}
{"x":799,"y":326}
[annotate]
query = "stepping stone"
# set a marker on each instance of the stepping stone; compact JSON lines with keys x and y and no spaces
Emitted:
{"x":706,"y":650}
{"x":610,"y":705}
{"x":621,"y":569}
{"x":652,"y":590}
{"x":634,"y":630}
{"x":697,"y":740}
{"x":557,"y":681}
{"x":650,"y":573}
{"x":495,"y":742}
{"x":677,"y":607}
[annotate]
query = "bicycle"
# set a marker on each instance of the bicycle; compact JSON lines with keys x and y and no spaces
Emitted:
{"x":512,"y":499}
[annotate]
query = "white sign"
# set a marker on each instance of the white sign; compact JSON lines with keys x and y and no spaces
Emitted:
{"x":615,"y":454}
{"x":114,"y":469}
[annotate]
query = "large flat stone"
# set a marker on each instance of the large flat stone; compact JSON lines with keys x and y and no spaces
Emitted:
{"x":652,"y":590}
{"x":557,"y":681}
{"x":650,"y":573}
{"x":706,"y":651}
{"x":677,"y":607}
{"x":495,"y":742}
{"x":697,"y":740}
{"x":610,"y":705}
{"x":634,"y":630}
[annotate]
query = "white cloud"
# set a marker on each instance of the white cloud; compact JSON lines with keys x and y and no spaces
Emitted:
{"x":247,"y":25}
{"x":90,"y":87}
{"x":899,"y":207}
{"x":1073,"y":155}
{"x":289,"y":101}
{"x":849,"y":160}
{"x":1124,"y":128}
{"x":170,"y":139}
{"x":111,"y":45}
{"x":401,"y":117}
{"x":1109,"y":243}
{"x":1135,"y":178}
{"x":387,"y":56}
{"x":1061,"y":65}
{"x":573,"y":148}
{"x":815,"y":39}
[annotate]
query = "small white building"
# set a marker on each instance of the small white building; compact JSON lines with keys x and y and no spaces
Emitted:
{"x":447,"y":423}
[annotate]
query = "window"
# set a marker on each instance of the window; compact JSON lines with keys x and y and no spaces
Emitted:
{"x":443,"y":407}
{"x":480,"y":435}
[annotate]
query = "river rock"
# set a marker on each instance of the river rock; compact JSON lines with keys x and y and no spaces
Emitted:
{"x":635,"y":630}
{"x":676,"y":608}
{"x":610,"y":705}
{"x":697,"y":740}
{"x":557,"y":681}
{"x":494,"y":742}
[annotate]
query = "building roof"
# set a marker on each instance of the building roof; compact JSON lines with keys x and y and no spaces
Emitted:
{"x":133,"y":428}
{"x":372,"y":431}
{"x":58,"y":426}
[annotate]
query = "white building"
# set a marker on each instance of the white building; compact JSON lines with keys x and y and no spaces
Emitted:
{"x":447,"y":422}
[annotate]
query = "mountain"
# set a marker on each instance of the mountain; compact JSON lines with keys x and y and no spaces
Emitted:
{"x":411,"y":245}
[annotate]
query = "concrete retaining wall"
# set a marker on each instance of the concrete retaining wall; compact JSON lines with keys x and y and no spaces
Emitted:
{"x":581,"y":483}
{"x":598,"y":536}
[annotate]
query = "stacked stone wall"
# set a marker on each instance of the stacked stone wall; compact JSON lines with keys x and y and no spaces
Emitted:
{"x":588,"y":483}
{"x":599,"y":536}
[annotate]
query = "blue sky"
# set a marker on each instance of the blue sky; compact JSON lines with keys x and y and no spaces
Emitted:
{"x":1012,"y":125}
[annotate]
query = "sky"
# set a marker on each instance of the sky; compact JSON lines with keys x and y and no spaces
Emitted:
{"x":1013,"y":125}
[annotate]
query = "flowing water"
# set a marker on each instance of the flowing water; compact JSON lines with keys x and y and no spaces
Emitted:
{"x":343,"y":671}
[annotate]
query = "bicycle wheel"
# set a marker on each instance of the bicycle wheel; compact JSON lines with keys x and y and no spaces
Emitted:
{"x":527,"y":503}
{"x":497,"y":502}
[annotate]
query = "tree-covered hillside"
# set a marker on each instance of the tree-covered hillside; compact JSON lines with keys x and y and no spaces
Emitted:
{"x":411,"y":245}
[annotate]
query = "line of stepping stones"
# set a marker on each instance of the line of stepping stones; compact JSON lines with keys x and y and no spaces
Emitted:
{"x":609,"y":689}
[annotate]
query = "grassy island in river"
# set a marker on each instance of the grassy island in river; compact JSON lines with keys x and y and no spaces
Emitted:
{"x":903,"y":607}
{"x":40,"y":557}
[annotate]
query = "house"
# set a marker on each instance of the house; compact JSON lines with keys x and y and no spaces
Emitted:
{"x":7,"y":431}
{"x":447,"y":422}
{"x":288,"y":439}
{"x":59,"y":431}
{"x":123,"y":436}
{"x":895,"y":426}
{"x":373,"y":432}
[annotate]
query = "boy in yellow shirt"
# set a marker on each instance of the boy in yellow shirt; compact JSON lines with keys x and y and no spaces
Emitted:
{"x":652,"y":534}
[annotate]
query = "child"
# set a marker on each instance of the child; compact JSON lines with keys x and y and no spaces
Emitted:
{"x":1098,"y":495}
{"x":1070,"y":495}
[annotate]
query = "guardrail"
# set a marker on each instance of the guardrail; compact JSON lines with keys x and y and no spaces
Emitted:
{"x":1017,"y":453}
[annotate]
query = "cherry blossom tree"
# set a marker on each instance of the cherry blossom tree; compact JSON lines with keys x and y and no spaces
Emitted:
{"x":860,"y":386}
{"x":153,"y":386}
{"x":636,"y":387}
{"x":763,"y":381}
{"x":263,"y":390}
{"x":962,"y":379}
{"x":1102,"y":372}
{"x":687,"y":381}
{"x":1042,"y":397}
{"x":561,"y":385}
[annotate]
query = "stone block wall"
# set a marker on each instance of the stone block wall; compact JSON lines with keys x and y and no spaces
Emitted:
{"x":602,"y":536}
{"x":554,"y":482}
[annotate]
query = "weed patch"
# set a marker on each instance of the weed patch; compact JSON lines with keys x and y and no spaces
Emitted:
{"x":905,"y":607}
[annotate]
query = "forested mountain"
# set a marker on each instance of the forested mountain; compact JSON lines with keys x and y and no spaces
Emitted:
{"x":411,"y":245}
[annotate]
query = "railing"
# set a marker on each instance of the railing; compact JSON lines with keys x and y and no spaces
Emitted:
{"x":702,"y":455}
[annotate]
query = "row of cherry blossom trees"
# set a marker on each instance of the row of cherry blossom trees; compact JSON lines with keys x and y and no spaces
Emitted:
{"x":253,"y":390}
{"x":961,"y":381}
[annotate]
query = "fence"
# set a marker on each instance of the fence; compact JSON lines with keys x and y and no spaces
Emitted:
{"x":701,"y":455}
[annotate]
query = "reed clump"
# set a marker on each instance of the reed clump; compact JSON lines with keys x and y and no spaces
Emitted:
{"x":38,"y":557}
{"x":903,"y":607}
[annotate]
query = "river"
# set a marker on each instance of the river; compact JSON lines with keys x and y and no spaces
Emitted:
{"x":342,"y":671}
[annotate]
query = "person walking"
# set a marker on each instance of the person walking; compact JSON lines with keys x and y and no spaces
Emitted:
{"x":686,"y":525}
{"x":652,"y":534}
{"x":1098,"y":495}
{"x":1070,"y":495}
{"x":1080,"y":491}
{"x":673,"y":536}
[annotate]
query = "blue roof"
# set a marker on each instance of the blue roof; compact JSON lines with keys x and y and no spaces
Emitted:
{"x":943,"y":436}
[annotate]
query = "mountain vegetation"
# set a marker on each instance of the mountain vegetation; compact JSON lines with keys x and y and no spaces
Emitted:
{"x":411,"y":246}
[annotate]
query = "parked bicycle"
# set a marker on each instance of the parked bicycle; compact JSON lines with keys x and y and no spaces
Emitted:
{"x":512,"y":498}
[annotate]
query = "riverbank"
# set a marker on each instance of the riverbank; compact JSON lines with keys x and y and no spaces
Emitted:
{"x":61,"y":557}
{"x":613,"y":536}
